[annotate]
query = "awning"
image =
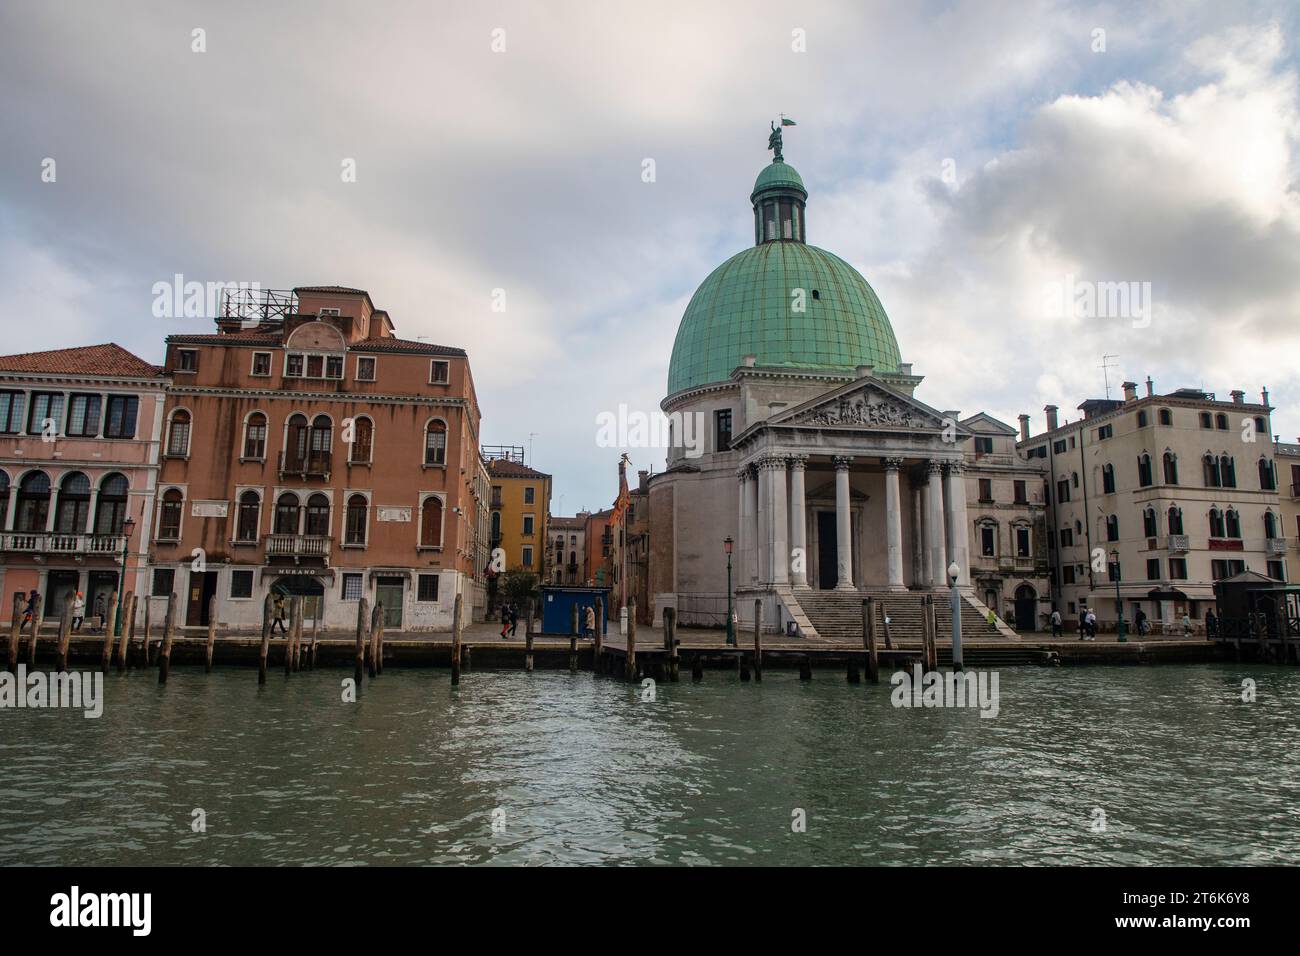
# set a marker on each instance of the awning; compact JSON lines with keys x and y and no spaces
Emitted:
{"x":1173,"y":594}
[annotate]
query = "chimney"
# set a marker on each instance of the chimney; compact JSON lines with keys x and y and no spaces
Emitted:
{"x":1051,"y":417}
{"x":1151,"y":388}
{"x":1024,"y":428}
{"x":1130,"y":391}
{"x":1238,"y":396}
{"x":643,"y":480}
{"x":1263,"y":397}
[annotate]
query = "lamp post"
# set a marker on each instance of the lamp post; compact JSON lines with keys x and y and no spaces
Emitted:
{"x":731,"y":631}
{"x":1119,"y":602}
{"x":127,"y":527}
{"x":955,"y":600}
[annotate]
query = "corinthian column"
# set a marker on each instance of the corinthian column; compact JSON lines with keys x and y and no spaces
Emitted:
{"x":843,"y":525}
{"x":934,"y":525}
{"x":798,"y":529}
{"x":749,"y":573}
{"x":894,"y":525}
{"x":959,"y":549}
{"x":763,"y":540}
{"x":779,"y":526}
{"x":742,"y":527}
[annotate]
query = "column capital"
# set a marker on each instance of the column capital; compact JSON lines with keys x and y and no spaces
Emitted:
{"x":892,"y":464}
{"x":955,"y":468}
{"x":934,"y":467}
{"x":772,"y":462}
{"x":842,"y":462}
{"x":798,"y":462}
{"x":742,"y":474}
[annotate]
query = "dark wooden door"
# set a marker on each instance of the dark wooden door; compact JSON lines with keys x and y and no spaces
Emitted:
{"x":828,"y":572}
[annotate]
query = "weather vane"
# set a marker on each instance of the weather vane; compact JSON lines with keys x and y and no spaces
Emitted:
{"x":774,"y":140}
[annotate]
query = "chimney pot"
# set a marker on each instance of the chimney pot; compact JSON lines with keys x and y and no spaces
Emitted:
{"x":1238,"y":396}
{"x":1151,"y":388}
{"x":1024,"y":428}
{"x":1051,"y":417}
{"x":1130,"y":391}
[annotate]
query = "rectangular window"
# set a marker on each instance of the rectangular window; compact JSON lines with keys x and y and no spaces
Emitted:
{"x":527,"y":557}
{"x":1021,"y":497}
{"x":983,"y":446}
{"x":365,"y":369}
{"x":11,"y":412}
{"x":334,"y":366}
{"x":722,"y":429}
{"x":529,"y":495}
{"x":1178,"y":569}
{"x":120,"y":420}
{"x":1063,"y":491}
{"x":45,"y":406}
{"x":1067,"y":537}
{"x":1104,"y":432}
{"x":988,"y":543}
{"x":351,"y":586}
{"x":241,"y":584}
{"x":187,"y":360}
{"x":1067,"y":574}
{"x":439,"y":372}
{"x":1153,"y":569}
{"x":1276,"y":571}
{"x":528,"y":524}
{"x":1059,"y":446}
{"x":261,"y":363}
{"x":315,"y":366}
{"x":293,"y":366}
{"x":163,"y":579}
{"x":1108,"y":480}
{"x":1022,"y":542}
{"x":426,"y":587}
{"x":83,"y":415}
{"x":986,"y":489}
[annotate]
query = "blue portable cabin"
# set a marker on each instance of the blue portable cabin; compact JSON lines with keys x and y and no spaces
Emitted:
{"x":558,"y":602}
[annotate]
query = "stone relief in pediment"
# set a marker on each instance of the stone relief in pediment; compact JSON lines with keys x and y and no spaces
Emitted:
{"x":868,"y":408}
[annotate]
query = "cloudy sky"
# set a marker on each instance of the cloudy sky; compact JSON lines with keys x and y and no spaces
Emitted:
{"x":966,"y":157}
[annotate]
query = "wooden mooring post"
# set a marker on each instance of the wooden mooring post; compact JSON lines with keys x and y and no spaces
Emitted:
{"x":629,"y":671}
{"x":456,"y":624}
{"x":379,"y":644}
{"x":869,"y":640}
{"x":758,"y":641}
{"x":265,"y":650}
{"x":36,"y":629}
{"x":110,"y":623}
{"x":169,"y":628}
{"x":315,"y":639}
{"x":295,"y":618}
{"x":929,"y":631}
{"x":805,"y":667}
{"x":128,"y":632}
{"x":212,"y":635}
{"x":375,"y":616}
{"x":671,"y":642}
{"x":573,"y":639}
{"x":360,"y":663}
{"x":15,"y":629}
{"x":884,"y":616}
{"x":65,"y":632}
{"x":148,"y":618}
{"x":697,"y":667}
{"x":528,"y":636}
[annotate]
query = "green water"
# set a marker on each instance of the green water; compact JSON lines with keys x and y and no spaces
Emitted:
{"x":579,"y":769}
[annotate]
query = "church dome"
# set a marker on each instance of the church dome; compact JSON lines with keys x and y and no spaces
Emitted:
{"x":748,"y":305}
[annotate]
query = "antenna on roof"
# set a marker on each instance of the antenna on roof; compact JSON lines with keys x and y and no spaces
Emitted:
{"x":1105,"y":371}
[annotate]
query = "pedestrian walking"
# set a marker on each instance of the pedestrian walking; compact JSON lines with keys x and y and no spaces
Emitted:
{"x":1187,"y":625}
{"x":505,"y":620}
{"x":78,"y":611}
{"x":29,"y":611}
{"x":514,"y":619}
{"x":101,"y":612}
{"x":278,"y":615}
{"x":1211,"y":623}
{"x":1056,"y":623}
{"x":589,"y":623}
{"x":1092,"y":624}
{"x":1140,"y":619}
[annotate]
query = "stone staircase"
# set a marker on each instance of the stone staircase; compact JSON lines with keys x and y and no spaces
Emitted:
{"x":837,"y":616}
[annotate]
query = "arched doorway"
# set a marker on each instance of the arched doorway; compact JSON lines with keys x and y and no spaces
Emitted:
{"x":306,"y":587}
{"x":1026,"y":608}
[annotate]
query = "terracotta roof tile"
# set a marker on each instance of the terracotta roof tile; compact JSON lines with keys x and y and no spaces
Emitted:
{"x":385,"y":344}
{"x":106,"y":359}
{"x":501,"y":468}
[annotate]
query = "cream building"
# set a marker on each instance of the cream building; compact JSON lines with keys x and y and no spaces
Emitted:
{"x":1288,"y":492}
{"x":1181,"y":487}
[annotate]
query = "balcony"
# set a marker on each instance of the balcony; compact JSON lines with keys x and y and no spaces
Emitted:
{"x":42,"y":542}
{"x":1275,"y":545}
{"x":298,"y":546}
{"x":1178,"y":542}
{"x":313,"y":465}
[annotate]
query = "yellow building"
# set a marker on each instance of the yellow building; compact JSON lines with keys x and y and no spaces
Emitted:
{"x":520,"y":506}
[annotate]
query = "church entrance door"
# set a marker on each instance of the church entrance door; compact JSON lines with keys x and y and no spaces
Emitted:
{"x":827,"y":558}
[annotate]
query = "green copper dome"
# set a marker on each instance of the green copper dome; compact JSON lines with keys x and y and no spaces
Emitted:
{"x":750,"y":305}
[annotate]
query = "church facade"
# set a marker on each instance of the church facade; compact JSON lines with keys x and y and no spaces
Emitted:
{"x":818,"y":461}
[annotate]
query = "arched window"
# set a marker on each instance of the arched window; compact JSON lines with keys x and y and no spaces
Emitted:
{"x":1228,"y":471}
{"x":496,"y":526}
{"x":320,"y":444}
{"x":1074,"y":478}
{"x":73,"y":507}
{"x":1267,"y":475}
{"x":4,"y":496}
{"x":1112,"y":527}
{"x":1216,"y":523}
{"x":1261,"y":427}
{"x":435,"y":443}
{"x":573,"y":557}
{"x":1107,"y":479}
{"x":1149,"y":526}
{"x":178,"y":434}
{"x":1270,"y":524}
{"x":1233,"y":523}
{"x":318,"y":516}
{"x":1166,"y":417}
{"x":250,"y":516}
{"x":431,"y":522}
{"x":255,"y":437}
{"x":1142,"y":419}
{"x":363,"y":434}
{"x":286,"y":514}
{"x":356,"y":520}
{"x":1175,"y":520}
{"x":1210,"y":466}
{"x":169,"y":515}
{"x":33,"y":502}
{"x":1144,"y":470}
{"x":110,"y":510}
{"x":1171,"y":468}
{"x":295,"y":447}
{"x":1221,"y":422}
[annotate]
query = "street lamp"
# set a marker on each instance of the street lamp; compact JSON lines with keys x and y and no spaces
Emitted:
{"x":731,"y":631}
{"x":1119,"y":602}
{"x":127,"y":527}
{"x":955,"y":600}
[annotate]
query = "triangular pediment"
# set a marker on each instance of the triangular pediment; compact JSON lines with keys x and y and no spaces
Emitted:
{"x":864,"y":403}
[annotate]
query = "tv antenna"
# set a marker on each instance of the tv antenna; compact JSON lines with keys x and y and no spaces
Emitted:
{"x":1105,"y":371}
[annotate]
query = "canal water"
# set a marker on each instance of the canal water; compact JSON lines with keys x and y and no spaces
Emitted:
{"x":1104,"y":765}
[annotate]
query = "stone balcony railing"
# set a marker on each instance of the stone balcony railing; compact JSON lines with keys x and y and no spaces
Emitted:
{"x":1178,"y":542}
{"x":1275,"y":545}
{"x":298,"y":546}
{"x":52,"y":542}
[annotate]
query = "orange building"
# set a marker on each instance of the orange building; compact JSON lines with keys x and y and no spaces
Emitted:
{"x":307,"y":450}
{"x":79,"y":436}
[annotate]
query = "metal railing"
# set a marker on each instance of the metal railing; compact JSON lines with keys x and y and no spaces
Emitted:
{"x":313,"y":464}
{"x":1276,"y":545}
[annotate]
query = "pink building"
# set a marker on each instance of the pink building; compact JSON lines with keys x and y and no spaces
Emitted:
{"x":79,"y":442}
